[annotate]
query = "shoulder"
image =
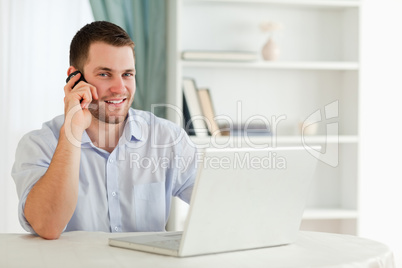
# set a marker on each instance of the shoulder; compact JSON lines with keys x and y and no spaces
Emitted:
{"x":35,"y":150}
{"x":47,"y":135}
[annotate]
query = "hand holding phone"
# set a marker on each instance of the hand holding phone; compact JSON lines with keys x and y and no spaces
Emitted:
{"x":85,"y":100}
{"x":77,"y":101}
{"x":74,"y":74}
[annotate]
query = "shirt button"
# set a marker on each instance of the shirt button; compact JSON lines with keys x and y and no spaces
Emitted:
{"x":116,"y":228}
{"x":113,"y":193}
{"x":110,"y":160}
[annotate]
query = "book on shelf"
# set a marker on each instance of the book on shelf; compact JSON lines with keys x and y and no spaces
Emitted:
{"x":219,"y":55}
{"x":208,"y":111}
{"x":194,"y":123}
{"x":200,"y":119}
{"x":251,"y":129}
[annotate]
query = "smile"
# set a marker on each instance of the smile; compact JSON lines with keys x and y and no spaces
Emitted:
{"x":115,"y":101}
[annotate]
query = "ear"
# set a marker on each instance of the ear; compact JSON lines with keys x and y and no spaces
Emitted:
{"x":70,"y":70}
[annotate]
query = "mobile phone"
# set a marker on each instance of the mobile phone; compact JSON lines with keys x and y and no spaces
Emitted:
{"x":74,"y":74}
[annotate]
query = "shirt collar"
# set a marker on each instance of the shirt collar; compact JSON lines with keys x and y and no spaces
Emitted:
{"x":132,"y":130}
{"x":85,"y":138}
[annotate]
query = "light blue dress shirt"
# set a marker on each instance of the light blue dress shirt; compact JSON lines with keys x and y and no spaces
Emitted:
{"x":128,"y":190}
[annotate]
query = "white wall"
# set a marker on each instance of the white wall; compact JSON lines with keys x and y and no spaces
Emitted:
{"x":381,"y":128}
{"x":35,"y":38}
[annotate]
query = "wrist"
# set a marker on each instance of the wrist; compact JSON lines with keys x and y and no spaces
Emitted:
{"x":72,"y":133}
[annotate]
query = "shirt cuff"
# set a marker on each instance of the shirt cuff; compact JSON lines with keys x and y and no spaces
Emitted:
{"x":186,"y":194}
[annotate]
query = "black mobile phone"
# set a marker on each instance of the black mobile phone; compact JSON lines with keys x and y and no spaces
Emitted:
{"x":74,"y":74}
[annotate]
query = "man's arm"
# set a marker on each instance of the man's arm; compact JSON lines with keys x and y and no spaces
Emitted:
{"x":52,"y":200}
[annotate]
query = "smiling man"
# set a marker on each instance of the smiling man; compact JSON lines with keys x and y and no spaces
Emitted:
{"x":75,"y":173}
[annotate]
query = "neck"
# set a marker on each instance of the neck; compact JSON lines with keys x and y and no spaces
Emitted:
{"x":104,"y":135}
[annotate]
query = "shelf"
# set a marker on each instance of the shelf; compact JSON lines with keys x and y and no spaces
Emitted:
{"x":329,"y":214}
{"x":320,"y":139}
{"x":316,"y":65}
{"x":319,"y":64}
{"x":238,"y":141}
{"x":311,"y":3}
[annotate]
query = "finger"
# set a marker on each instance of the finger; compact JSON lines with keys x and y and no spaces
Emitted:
{"x":94,"y":92}
{"x":80,"y":93}
{"x":86,"y":97}
{"x":69,"y":86}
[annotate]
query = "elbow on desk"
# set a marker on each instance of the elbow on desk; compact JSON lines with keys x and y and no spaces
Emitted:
{"x":49,"y":228}
{"x":47,"y":232}
{"x":50,"y":236}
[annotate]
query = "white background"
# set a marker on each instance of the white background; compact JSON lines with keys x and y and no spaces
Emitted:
{"x":380,"y":127}
{"x":34,"y":52}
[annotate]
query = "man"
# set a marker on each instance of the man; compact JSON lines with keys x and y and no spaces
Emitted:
{"x":102,"y":166}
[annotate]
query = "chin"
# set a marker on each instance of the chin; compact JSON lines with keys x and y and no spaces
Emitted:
{"x":115,"y":119}
{"x":108,"y":118}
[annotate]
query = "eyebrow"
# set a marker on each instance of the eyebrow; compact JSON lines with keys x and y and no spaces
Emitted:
{"x":111,"y":70}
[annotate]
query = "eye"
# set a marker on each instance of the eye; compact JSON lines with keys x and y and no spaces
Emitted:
{"x":103,"y":74}
{"x":128,"y":74}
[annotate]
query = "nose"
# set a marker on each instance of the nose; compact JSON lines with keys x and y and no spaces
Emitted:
{"x":118,"y":86}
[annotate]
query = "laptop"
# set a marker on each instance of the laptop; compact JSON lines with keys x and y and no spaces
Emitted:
{"x":242,"y":199}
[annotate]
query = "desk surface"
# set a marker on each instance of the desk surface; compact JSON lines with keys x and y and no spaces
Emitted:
{"x":86,"y":249}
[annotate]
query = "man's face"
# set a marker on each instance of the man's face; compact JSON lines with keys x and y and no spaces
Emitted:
{"x":111,"y":70}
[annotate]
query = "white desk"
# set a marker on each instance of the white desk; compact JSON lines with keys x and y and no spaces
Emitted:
{"x":85,"y":249}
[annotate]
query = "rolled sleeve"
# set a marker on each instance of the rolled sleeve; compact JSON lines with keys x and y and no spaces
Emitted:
{"x":187,"y":163}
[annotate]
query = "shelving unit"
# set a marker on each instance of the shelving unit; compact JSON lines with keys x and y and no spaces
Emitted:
{"x":340,"y":66}
{"x":258,"y":140}
{"x":298,"y":3}
{"x":318,"y":68}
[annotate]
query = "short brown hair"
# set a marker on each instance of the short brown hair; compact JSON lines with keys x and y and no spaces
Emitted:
{"x":98,"y":31}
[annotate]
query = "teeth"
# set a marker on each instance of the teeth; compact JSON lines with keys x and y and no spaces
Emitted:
{"x":115,"y":102}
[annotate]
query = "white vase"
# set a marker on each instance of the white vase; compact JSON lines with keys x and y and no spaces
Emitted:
{"x":270,"y":51}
